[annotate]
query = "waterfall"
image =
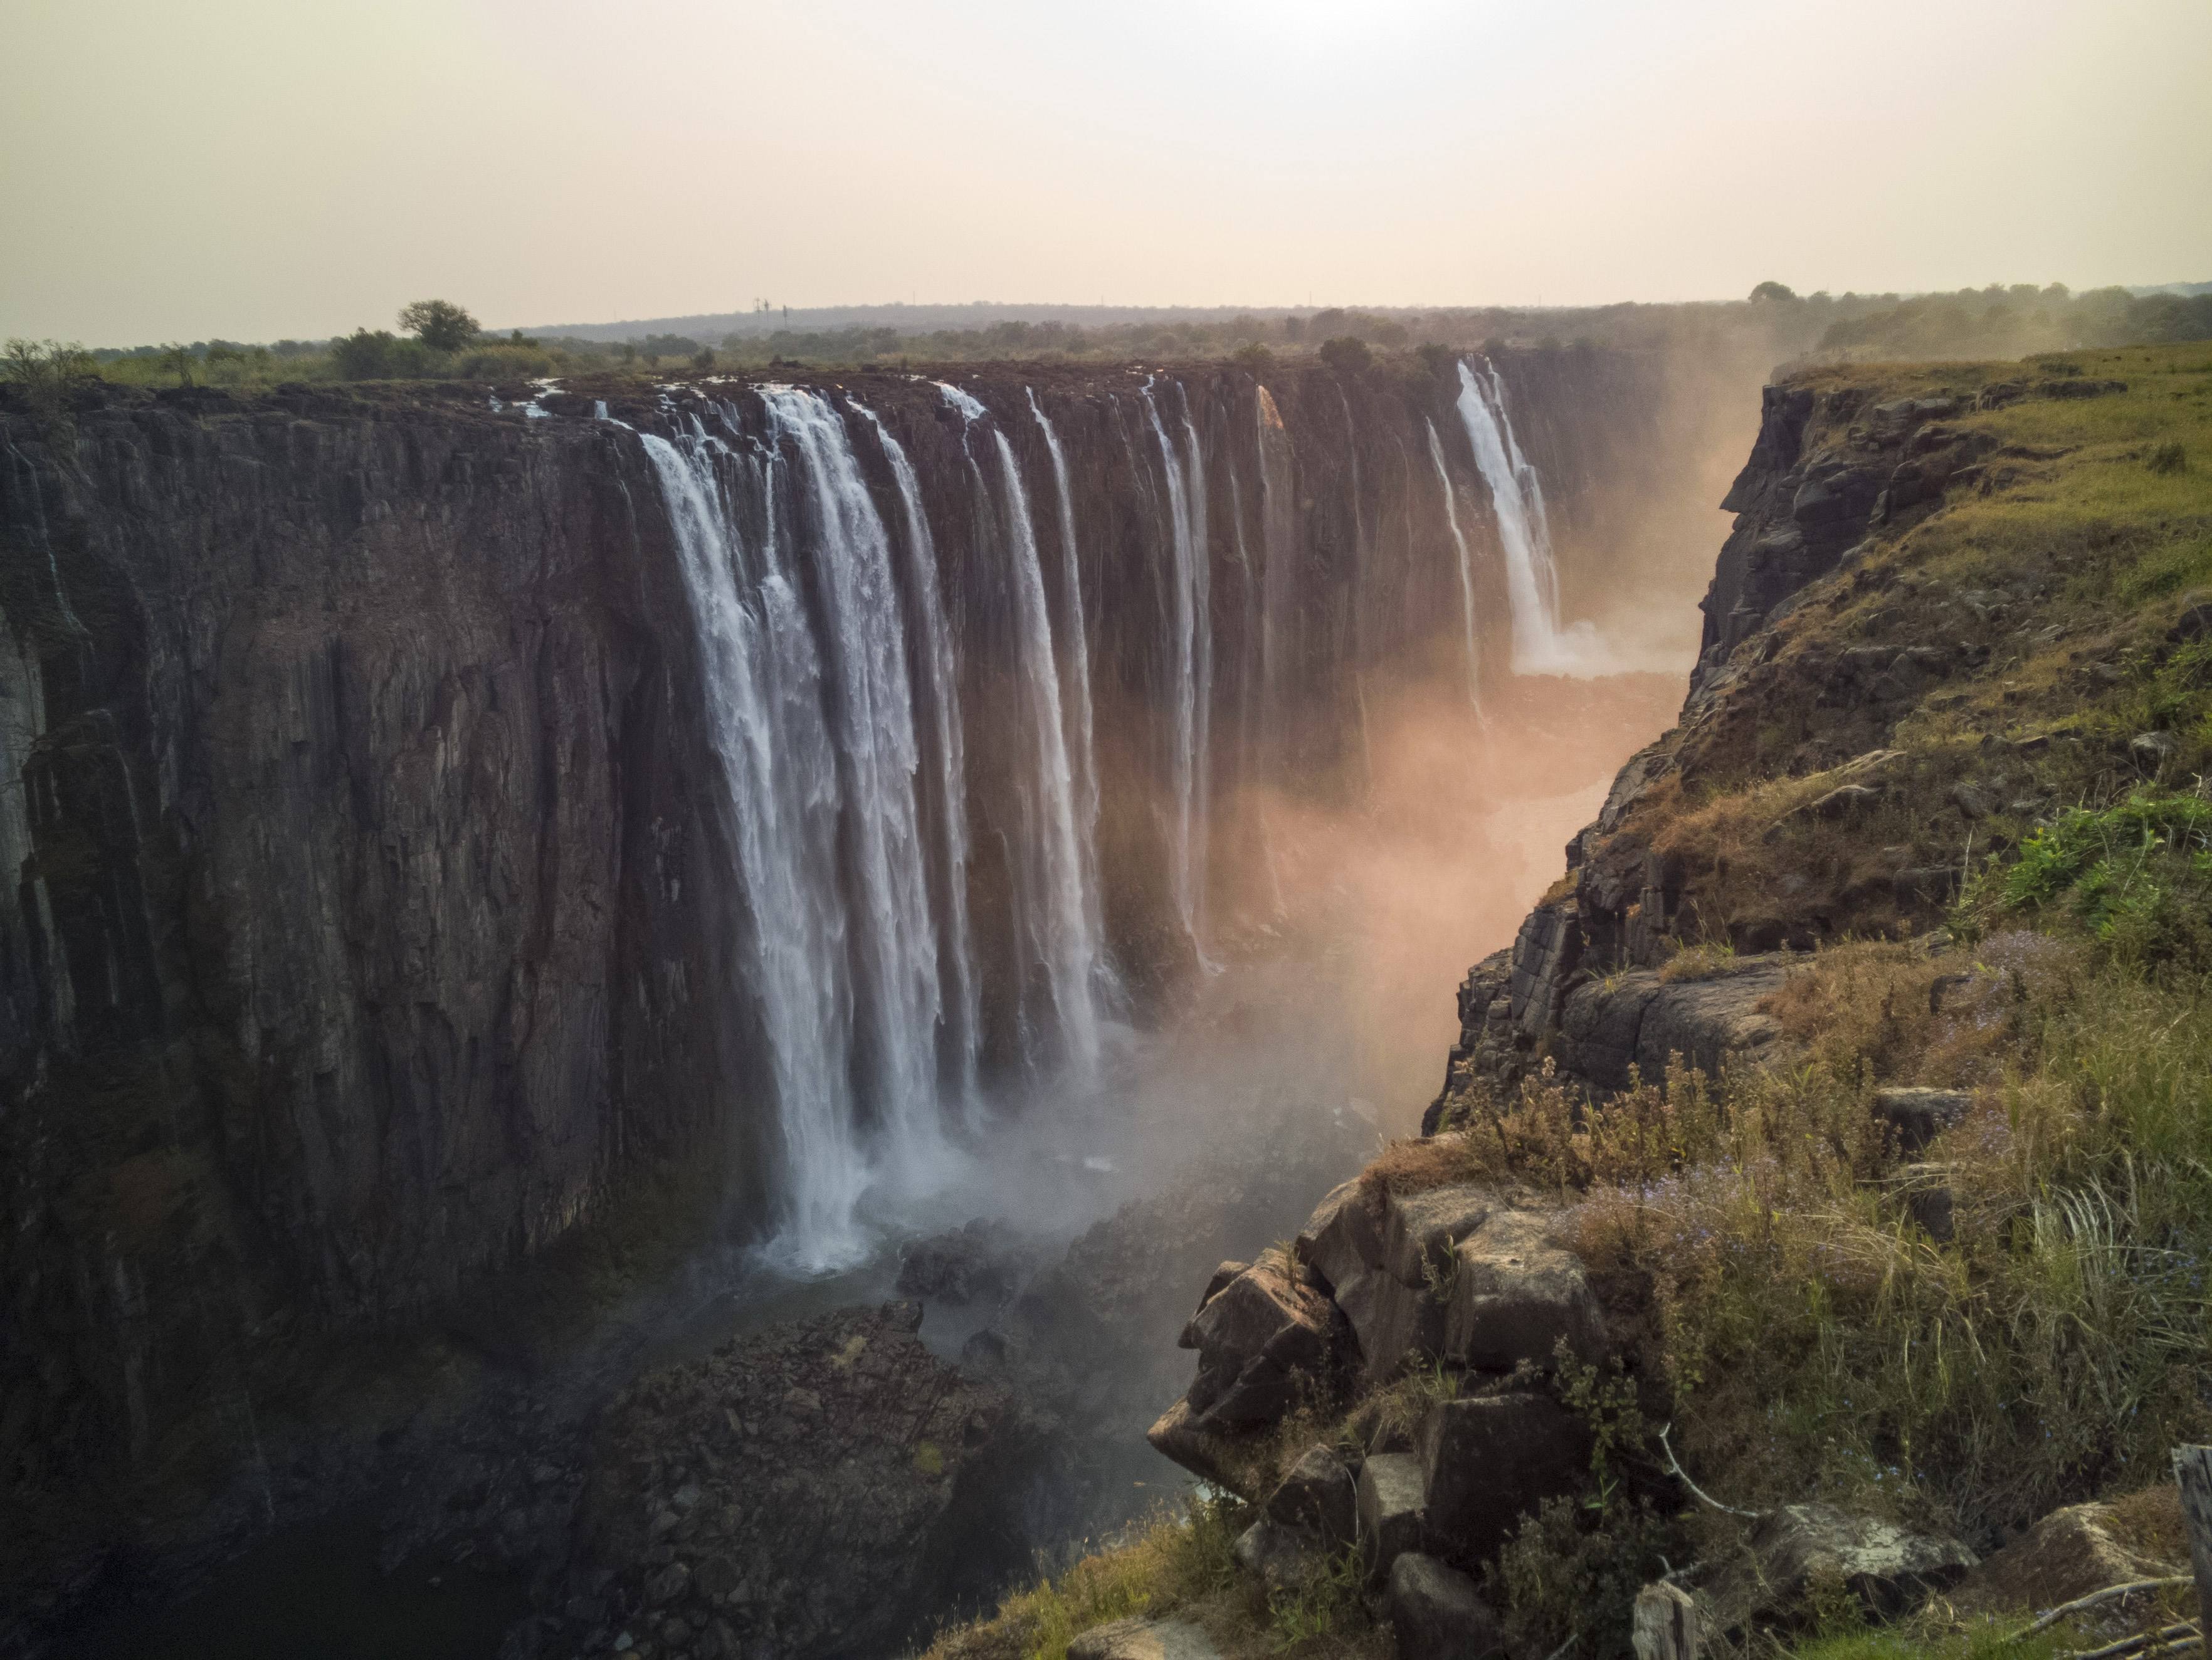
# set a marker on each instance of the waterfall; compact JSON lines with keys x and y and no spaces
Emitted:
{"x":760,"y":677}
{"x":1532,"y":582}
{"x":966,"y":1028}
{"x":1083,"y":753}
{"x":1466,"y":570}
{"x":1278,"y":579}
{"x":1193,"y":645}
{"x":1057,"y":913}
{"x":898,"y":995}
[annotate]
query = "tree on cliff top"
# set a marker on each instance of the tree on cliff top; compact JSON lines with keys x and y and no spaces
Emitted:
{"x":438,"y":324}
{"x":1347,"y":354}
{"x":1773,"y":291}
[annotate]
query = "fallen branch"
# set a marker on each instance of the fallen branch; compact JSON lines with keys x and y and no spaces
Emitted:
{"x":1561,"y":1652}
{"x":2174,"y":1639}
{"x":2066,"y":1610}
{"x":1683,"y":1476}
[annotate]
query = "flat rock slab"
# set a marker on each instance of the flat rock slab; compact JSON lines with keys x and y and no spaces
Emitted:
{"x":2070,"y":1554}
{"x":1639,"y":1020}
{"x":1143,"y":1639}
{"x":1889,"y":1570}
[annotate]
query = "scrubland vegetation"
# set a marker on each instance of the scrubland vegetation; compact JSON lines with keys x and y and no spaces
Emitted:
{"x":441,"y":341}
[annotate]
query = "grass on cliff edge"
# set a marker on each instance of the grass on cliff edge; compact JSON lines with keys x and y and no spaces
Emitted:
{"x":1180,"y":1565}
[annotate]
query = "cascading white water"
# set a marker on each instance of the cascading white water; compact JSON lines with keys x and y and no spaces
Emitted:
{"x":966,"y":1025}
{"x":1532,"y":582}
{"x":1193,"y":671}
{"x":1076,"y":659}
{"x":762,"y":681}
{"x":1278,"y":578}
{"x":899,"y":994}
{"x":1057,"y":913}
{"x":1465,"y":569}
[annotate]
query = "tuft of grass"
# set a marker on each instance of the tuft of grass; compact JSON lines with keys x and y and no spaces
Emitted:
{"x":1161,"y":1565}
{"x":1710,"y":961}
{"x":1324,"y":1606}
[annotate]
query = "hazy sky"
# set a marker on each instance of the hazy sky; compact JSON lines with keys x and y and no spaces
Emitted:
{"x":257,"y":168}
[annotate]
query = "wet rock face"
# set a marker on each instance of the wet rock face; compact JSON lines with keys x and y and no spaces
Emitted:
{"x":821,"y":1489}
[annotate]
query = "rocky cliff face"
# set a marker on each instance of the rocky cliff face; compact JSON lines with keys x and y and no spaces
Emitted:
{"x":1580,"y":984}
{"x":372,"y":921}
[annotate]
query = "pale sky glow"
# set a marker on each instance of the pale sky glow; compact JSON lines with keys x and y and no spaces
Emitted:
{"x":257,"y":168}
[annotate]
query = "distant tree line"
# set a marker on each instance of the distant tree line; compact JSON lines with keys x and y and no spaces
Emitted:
{"x":438,"y":339}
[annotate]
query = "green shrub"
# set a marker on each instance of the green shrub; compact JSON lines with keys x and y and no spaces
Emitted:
{"x":381,"y":355}
{"x":1570,"y":1571}
{"x":2168,"y":457}
{"x":1347,"y":354}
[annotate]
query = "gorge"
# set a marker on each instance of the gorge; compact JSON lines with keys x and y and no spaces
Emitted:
{"x":739,"y":811}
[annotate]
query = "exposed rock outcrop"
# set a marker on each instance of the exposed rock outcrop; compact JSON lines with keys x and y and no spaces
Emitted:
{"x":1888,"y":1569}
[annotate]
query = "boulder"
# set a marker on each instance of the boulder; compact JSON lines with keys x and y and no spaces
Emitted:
{"x":1343,"y":1239}
{"x":1917,"y":1117}
{"x":978,"y":1261}
{"x":1205,"y":1453}
{"x":1255,"y":1338}
{"x":1799,"y":1547}
{"x":1515,"y":1295}
{"x":1222,"y":1277}
{"x":2070,"y":1554}
{"x":1437,"y":1614}
{"x":1420,"y":1228}
{"x":1395,"y":1324}
{"x":1319,"y":1496}
{"x":1488,"y":1462}
{"x":2195,"y":621}
{"x":1391,"y":1506}
{"x":1143,"y":1639}
{"x":1277,"y":1553}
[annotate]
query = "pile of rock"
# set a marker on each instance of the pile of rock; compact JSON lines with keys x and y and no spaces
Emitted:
{"x":1463,"y":1279}
{"x":825,"y":1487}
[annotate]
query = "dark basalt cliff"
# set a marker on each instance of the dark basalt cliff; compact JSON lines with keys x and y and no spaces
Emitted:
{"x":370,"y":915}
{"x":1579,"y":985}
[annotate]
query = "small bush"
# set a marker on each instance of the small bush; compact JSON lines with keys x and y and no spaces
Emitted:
{"x":1570,"y":1571}
{"x":381,"y":355}
{"x":46,"y":373}
{"x":2166,"y":458}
